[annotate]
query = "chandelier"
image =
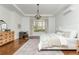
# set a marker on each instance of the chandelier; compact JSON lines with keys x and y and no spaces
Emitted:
{"x":37,"y":16}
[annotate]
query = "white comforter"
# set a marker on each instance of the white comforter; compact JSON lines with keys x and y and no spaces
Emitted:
{"x":51,"y":40}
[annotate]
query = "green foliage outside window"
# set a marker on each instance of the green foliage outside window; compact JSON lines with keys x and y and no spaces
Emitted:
{"x":38,"y":29}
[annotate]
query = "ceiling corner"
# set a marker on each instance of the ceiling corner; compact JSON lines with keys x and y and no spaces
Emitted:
{"x":19,"y":9}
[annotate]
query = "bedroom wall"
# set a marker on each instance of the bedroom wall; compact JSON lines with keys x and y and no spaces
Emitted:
{"x":12,"y":19}
{"x":70,"y":20}
{"x":51,"y":24}
{"x":25,"y":25}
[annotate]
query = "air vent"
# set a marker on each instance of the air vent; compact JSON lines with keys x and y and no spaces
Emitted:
{"x":67,"y":12}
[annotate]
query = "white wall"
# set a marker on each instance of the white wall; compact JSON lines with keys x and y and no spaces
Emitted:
{"x":51,"y":24}
{"x":70,"y":20}
{"x":11,"y":18}
{"x":25,"y":25}
{"x":16,"y":18}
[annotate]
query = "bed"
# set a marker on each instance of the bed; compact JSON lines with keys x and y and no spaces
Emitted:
{"x":63,"y":40}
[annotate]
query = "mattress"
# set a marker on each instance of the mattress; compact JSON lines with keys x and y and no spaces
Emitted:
{"x":71,"y":45}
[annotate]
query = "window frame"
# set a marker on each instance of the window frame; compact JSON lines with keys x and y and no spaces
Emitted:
{"x":36,"y":23}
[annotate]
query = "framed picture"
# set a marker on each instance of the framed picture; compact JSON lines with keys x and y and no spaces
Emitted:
{"x":19,"y":26}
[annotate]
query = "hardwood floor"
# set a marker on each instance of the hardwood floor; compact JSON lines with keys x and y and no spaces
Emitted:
{"x":11,"y":47}
{"x":70,"y":53}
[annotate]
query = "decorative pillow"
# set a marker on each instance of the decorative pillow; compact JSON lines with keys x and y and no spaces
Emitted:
{"x":73,"y":34}
{"x":59,"y":33}
{"x":70,"y":34}
{"x":66,"y":34}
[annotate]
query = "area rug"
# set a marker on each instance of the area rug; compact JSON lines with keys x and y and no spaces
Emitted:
{"x":31,"y":48}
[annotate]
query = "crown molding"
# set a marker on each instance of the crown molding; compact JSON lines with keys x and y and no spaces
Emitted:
{"x":63,"y":9}
{"x":40,"y":15}
{"x":29,"y":14}
{"x":18,"y":9}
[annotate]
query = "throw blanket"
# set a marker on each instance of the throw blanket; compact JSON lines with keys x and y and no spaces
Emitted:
{"x":52,"y":40}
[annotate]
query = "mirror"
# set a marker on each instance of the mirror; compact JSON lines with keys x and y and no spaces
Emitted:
{"x":3,"y":25}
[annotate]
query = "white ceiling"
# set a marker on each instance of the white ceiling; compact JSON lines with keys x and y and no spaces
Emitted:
{"x":45,"y":9}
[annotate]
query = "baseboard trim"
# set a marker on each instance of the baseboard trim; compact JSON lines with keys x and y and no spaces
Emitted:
{"x":34,"y":37}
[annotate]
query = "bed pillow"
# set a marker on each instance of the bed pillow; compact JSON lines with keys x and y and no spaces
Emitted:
{"x":70,"y":34}
{"x":63,"y":33}
{"x":59,"y":33}
{"x":66,"y":34}
{"x":73,"y":34}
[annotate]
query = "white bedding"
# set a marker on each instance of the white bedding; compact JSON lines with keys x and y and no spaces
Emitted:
{"x":54,"y":41}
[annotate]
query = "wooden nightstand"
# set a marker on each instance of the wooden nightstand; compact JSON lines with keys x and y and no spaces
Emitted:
{"x":23,"y":35}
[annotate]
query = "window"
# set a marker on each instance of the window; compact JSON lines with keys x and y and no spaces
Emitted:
{"x":39,"y":25}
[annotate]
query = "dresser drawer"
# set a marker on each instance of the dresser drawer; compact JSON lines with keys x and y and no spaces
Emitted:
{"x":1,"y":42}
{"x":6,"y":37}
{"x":1,"y":39}
{"x":1,"y":35}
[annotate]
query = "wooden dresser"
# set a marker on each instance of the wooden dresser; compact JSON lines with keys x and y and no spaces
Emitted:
{"x":6,"y":37}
